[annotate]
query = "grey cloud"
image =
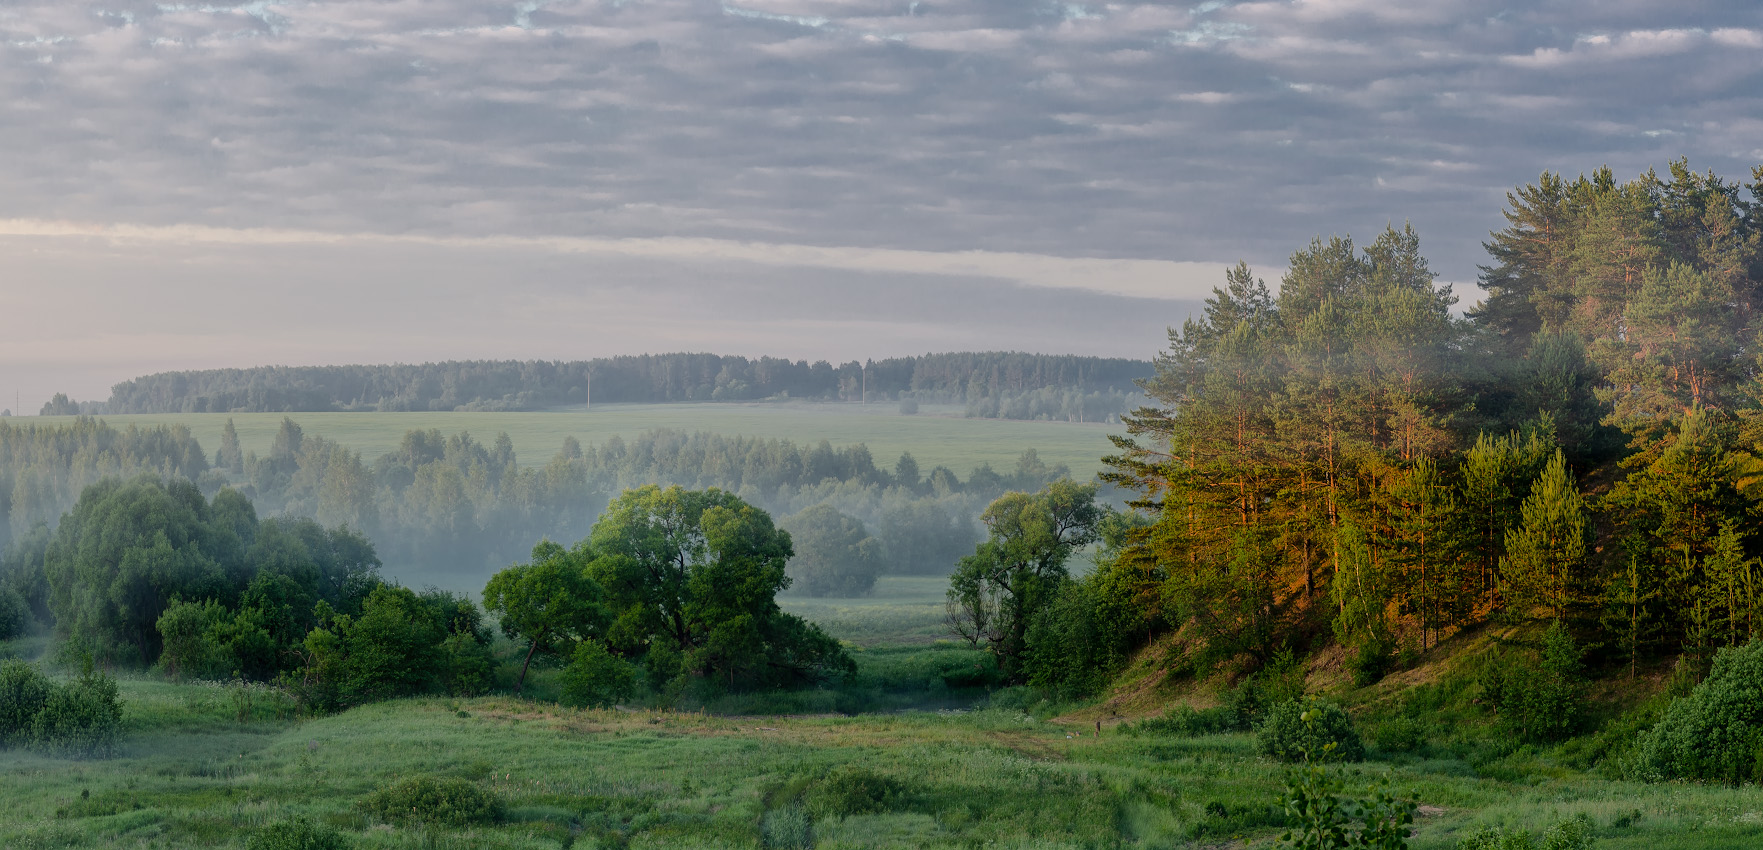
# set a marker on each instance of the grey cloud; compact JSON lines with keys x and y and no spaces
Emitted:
{"x":1205,"y":131}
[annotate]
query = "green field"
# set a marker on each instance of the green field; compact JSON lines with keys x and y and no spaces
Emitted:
{"x":202,"y":766}
{"x":902,"y":610}
{"x":939,"y":435}
{"x":209,"y":765}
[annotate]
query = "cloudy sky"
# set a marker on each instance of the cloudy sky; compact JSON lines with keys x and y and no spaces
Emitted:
{"x":201,"y":184}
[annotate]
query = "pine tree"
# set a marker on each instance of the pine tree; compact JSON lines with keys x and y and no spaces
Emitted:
{"x":1424,"y":549}
{"x":1629,"y":619}
{"x":1732,"y":586}
{"x":1676,"y":503}
{"x":1545,"y":554}
{"x":1496,"y":476}
{"x":1618,"y":242}
{"x":1681,"y":349}
{"x":1528,"y":285}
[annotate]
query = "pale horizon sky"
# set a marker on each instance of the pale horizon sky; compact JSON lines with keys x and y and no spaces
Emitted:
{"x":278,"y":181}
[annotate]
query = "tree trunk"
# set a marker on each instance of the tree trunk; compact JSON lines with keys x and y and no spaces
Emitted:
{"x":518,"y":683}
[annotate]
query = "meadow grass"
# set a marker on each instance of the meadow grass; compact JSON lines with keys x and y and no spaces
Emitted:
{"x":207,"y":765}
{"x":900,"y":610}
{"x":937,"y":436}
{"x":194,"y":772}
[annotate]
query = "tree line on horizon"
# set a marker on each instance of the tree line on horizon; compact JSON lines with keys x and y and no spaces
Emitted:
{"x":1011,"y":385}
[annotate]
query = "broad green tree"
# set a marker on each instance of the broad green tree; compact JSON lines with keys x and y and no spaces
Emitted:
{"x":691,"y":578}
{"x":1018,"y":570}
{"x":549,"y":602}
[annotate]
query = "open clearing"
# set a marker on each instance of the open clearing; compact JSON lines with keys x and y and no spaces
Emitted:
{"x":937,"y":436}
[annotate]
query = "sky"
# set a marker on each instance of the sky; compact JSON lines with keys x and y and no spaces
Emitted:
{"x":193,"y":185}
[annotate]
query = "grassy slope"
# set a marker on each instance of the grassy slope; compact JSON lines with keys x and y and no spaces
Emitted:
{"x":947,"y":439}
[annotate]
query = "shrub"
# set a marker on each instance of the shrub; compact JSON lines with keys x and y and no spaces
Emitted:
{"x":185,"y":631}
{"x":468,"y":665}
{"x":1321,"y":818}
{"x":596,"y":678}
{"x":434,"y":801}
{"x":853,"y":791}
{"x":1715,"y":733}
{"x":23,"y":692}
{"x":1575,"y":833}
{"x":82,"y":718}
{"x":1401,"y":735}
{"x":908,"y":406}
{"x":1300,"y":730}
{"x":1371,"y":660}
{"x":1540,"y":700}
{"x":1185,"y":722}
{"x":296,"y":834}
{"x":1280,"y":681}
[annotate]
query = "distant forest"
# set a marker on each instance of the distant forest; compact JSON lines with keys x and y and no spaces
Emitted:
{"x":451,"y":504}
{"x":1009,"y":385}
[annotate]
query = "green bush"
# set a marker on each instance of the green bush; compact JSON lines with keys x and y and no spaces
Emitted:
{"x":296,"y":834}
{"x":468,"y":665}
{"x":1322,"y":818}
{"x":1575,"y":833}
{"x":596,"y":678}
{"x":23,"y":692}
{"x":1185,"y":722}
{"x":1280,"y":681}
{"x":433,"y":801}
{"x":1371,"y":660}
{"x":853,"y":791}
{"x":188,"y":652}
{"x":1715,"y":733}
{"x":1300,"y":730}
{"x":82,"y":718}
{"x":1541,"y":699}
{"x":1401,"y":735}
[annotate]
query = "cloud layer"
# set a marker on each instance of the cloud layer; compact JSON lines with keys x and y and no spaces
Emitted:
{"x":826,"y":160}
{"x":1200,"y":132}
